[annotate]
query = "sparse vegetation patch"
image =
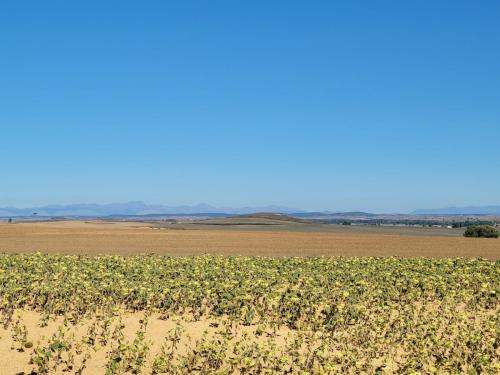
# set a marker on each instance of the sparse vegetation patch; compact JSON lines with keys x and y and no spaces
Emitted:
{"x":250,"y":315}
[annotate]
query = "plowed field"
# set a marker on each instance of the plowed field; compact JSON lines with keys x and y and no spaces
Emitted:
{"x":94,"y":238}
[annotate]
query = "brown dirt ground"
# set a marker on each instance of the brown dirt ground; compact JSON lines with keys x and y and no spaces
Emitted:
{"x":13,"y":361}
{"x":124,"y":238}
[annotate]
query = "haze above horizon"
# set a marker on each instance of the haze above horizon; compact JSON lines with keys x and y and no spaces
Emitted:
{"x":344,"y":107}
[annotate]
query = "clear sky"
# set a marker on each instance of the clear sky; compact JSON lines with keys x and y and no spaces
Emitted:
{"x":382,"y":106}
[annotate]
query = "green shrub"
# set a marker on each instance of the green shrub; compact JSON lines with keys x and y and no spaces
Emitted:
{"x":481,"y":231}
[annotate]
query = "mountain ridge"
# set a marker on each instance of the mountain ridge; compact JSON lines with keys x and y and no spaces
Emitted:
{"x":135,"y":208}
{"x":139,"y":208}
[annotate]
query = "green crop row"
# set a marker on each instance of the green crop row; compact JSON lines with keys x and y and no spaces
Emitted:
{"x":360,"y":315}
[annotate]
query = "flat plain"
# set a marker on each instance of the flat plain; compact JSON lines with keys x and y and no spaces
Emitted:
{"x":129,"y":238}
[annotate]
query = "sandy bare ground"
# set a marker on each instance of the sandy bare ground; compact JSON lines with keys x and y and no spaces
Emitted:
{"x":124,"y":238}
{"x":15,"y":359}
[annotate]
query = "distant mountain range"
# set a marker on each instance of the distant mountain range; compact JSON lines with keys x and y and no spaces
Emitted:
{"x":471,"y":210}
{"x":141,"y":208}
{"x":135,"y":208}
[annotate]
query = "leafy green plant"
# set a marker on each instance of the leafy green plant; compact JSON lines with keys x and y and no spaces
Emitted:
{"x":20,"y":339}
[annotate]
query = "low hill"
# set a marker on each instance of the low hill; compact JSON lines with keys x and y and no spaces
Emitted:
{"x":265,"y":218}
{"x":471,"y":210}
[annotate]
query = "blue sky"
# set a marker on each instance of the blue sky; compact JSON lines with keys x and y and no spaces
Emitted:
{"x":382,"y":106}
